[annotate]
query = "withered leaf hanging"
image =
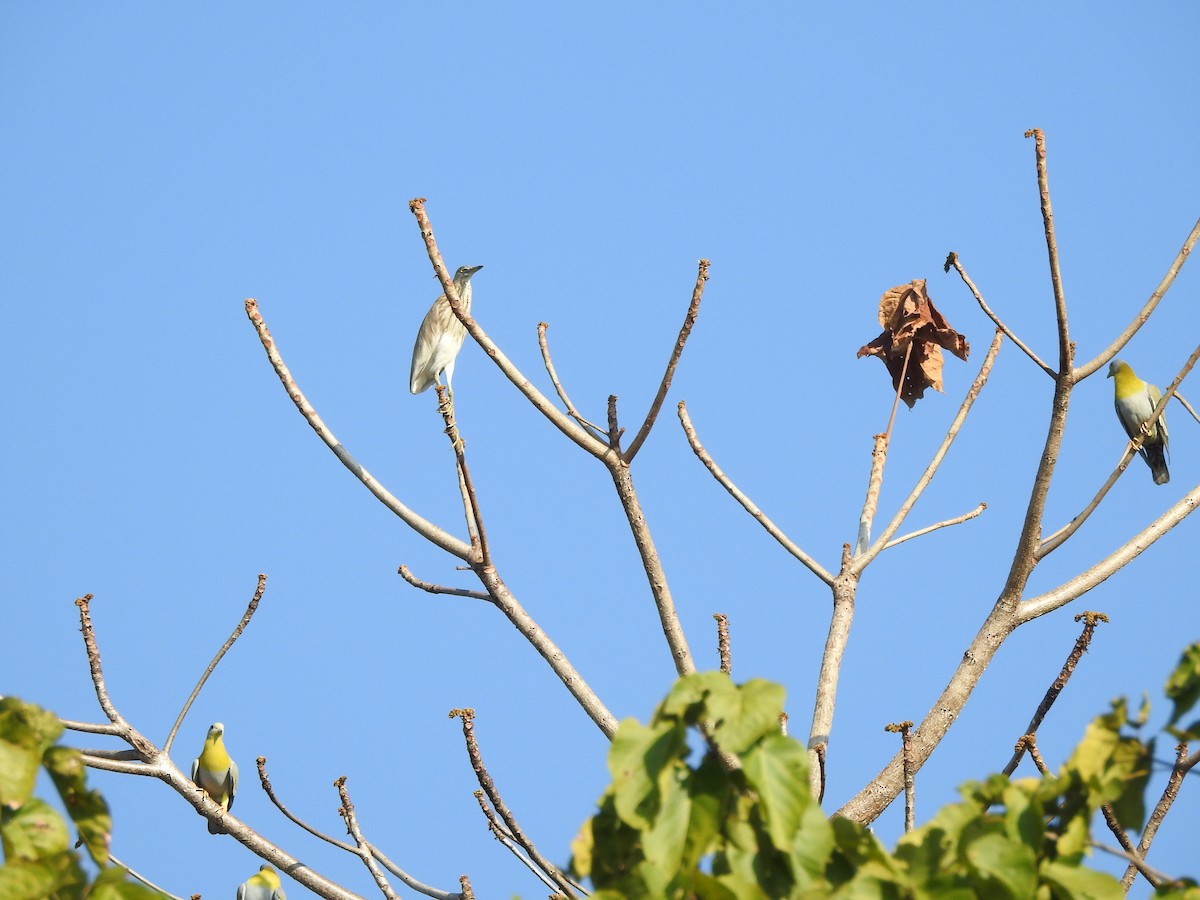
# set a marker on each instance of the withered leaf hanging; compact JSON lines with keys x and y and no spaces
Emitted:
{"x":910,"y":320}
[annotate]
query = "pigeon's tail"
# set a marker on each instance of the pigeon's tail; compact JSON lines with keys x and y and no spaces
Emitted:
{"x":1156,"y":458}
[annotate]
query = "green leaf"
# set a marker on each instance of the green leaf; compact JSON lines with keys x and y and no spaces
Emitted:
{"x":26,"y":732}
{"x":35,"y":831}
{"x":1131,"y":764}
{"x":1077,"y":883}
{"x":778,"y":770}
{"x":1001,"y":867}
{"x":1024,"y":820}
{"x":1183,"y":685}
{"x":688,"y":696}
{"x":709,"y":788}
{"x":812,"y":846}
{"x":751,"y":714}
{"x":663,"y":842}
{"x":59,"y":876}
{"x":636,"y":759}
{"x":87,"y":809}
{"x":1093,"y":753}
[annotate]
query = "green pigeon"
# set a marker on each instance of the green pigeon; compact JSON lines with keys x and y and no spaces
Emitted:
{"x":216,"y":773}
{"x":1135,"y":401}
{"x":262,"y":885}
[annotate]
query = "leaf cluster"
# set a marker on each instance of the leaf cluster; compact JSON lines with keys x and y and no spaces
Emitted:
{"x":39,"y":861}
{"x":740,"y":823}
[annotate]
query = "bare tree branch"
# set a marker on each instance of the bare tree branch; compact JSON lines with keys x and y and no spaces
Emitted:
{"x":1090,"y":620}
{"x":502,"y":834}
{"x":595,"y":430}
{"x":237,"y":631}
{"x":905,"y":729}
{"x":957,"y":520}
{"x":407,"y":879}
{"x":861,"y":561}
{"x":1183,"y":764}
{"x":417,"y":523}
{"x":404,"y":573}
{"x":685,"y":330}
{"x":1065,"y":351}
{"x":467,"y":717}
{"x":1102,"y":359}
{"x":540,"y":402}
{"x":953,"y":261}
{"x":363,"y":851}
{"x":747,"y":504}
{"x":470,"y":499}
{"x":723,"y":653}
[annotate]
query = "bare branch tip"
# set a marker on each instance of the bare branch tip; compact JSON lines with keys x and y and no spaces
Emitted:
{"x":466,"y":714}
{"x":951,"y":259}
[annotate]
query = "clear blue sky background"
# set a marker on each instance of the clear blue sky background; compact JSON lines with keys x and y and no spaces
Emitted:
{"x":160,"y":163}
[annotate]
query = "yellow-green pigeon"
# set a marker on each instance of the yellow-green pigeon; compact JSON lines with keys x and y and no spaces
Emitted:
{"x":1135,"y":401}
{"x":216,"y":773}
{"x":263,"y":885}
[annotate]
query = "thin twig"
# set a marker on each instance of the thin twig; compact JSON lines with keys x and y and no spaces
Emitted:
{"x":237,"y":632}
{"x":1117,"y":829}
{"x":953,"y":260}
{"x":133,"y":873}
{"x":93,"y":656}
{"x":656,"y":576}
{"x":1060,"y":302}
{"x":905,"y":729}
{"x":1183,"y":764}
{"x":957,"y":520}
{"x":563,"y":423}
{"x":408,"y":880}
{"x":1076,"y":587}
{"x":1187,"y":406}
{"x":1090,"y":621}
{"x":874,"y":484}
{"x":500,"y":833}
{"x":346,"y":811}
{"x":747,"y":504}
{"x":404,"y":573}
{"x":470,"y":498}
{"x":595,"y":430}
{"x":1153,"y":876}
{"x":723,"y":643}
{"x":864,"y":559}
{"x":91,"y":727}
{"x":467,"y":717}
{"x":689,"y":321}
{"x":1082,"y":372}
{"x":1058,"y":538}
{"x":420,"y":525}
{"x":614,"y":432}
{"x":844,"y":588}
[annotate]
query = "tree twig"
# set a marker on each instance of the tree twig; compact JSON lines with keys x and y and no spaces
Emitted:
{"x":1102,"y":359}
{"x":953,"y":261}
{"x":470,"y":498}
{"x":544,"y":344}
{"x":560,"y":421}
{"x":905,"y":729}
{"x":363,"y":852}
{"x":467,"y":717}
{"x":501,"y":834}
{"x":417,"y":523}
{"x":1090,"y":621}
{"x":1183,"y":764}
{"x":237,"y":632}
{"x":957,"y":520}
{"x":685,"y":330}
{"x":407,"y":879}
{"x":723,"y":643}
{"x":407,"y":575}
{"x":747,"y":504}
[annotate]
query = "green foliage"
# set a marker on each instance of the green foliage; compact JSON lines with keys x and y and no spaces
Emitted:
{"x":670,"y":827}
{"x":39,"y":861}
{"x":1183,"y":689}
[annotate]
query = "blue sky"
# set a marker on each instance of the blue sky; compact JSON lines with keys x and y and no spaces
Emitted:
{"x":160,"y":164}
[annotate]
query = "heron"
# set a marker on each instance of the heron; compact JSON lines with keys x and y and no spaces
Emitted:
{"x":440,"y":337}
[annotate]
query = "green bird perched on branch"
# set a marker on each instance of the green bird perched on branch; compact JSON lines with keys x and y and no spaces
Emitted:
{"x":263,"y":885}
{"x":216,"y":773}
{"x":1135,"y":401}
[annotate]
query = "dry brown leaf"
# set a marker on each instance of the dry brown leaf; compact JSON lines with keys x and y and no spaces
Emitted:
{"x":910,"y":320}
